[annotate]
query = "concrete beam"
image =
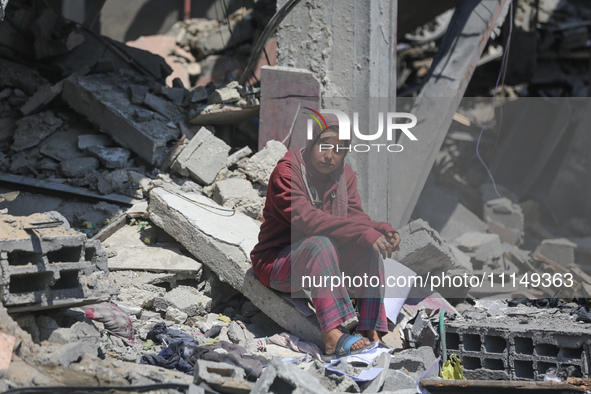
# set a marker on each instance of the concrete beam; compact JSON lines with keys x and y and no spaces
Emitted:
{"x":223,"y":241}
{"x":452,"y":69}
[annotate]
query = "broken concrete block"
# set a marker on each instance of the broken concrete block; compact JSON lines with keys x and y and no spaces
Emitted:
{"x":282,"y":377}
{"x":236,"y":334}
{"x":560,"y":250}
{"x":158,"y":104}
{"x":415,"y":361}
{"x":64,"y":356}
{"x":186,"y":299}
{"x":199,"y":93}
{"x":88,"y":140}
{"x":239,"y":194}
{"x":62,"y":145}
{"x":224,"y":95}
{"x":87,"y":335}
{"x":505,"y":219}
{"x":223,"y":243}
{"x":223,"y":377}
{"x":203,"y":158}
{"x":33,"y":129}
{"x":422,"y":249}
{"x":103,"y":99}
{"x":175,"y":315}
{"x":446,"y":214}
{"x":482,"y":247}
{"x":137,"y":94}
{"x":75,"y":168}
{"x":258,"y":168}
{"x":462,"y":258}
{"x":399,"y":380}
{"x":111,"y":157}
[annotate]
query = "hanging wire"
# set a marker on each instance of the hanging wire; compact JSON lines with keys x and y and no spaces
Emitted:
{"x":501,"y":73}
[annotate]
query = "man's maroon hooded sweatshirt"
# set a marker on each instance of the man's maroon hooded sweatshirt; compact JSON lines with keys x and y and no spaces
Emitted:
{"x":290,"y":216}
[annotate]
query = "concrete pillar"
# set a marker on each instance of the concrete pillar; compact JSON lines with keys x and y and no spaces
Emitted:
{"x":350,"y":47}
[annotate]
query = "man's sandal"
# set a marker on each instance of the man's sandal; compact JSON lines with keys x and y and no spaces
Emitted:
{"x":343,"y":347}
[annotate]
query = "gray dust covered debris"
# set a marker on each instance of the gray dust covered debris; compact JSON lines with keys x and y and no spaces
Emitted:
{"x":142,"y":172}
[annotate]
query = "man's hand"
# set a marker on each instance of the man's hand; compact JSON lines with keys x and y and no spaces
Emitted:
{"x":383,"y":247}
{"x":394,"y":240}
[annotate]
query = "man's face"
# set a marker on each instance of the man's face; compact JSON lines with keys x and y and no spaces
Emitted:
{"x":328,"y":159}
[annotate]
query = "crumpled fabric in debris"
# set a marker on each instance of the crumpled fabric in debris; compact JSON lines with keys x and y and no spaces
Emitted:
{"x":296,"y":344}
{"x":226,"y":352}
{"x":115,"y":319}
{"x":182,"y":352}
{"x":167,"y":336}
{"x":174,"y":356}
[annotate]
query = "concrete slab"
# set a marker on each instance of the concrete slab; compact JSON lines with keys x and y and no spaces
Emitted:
{"x":133,"y":254}
{"x":103,"y":99}
{"x":223,"y":241}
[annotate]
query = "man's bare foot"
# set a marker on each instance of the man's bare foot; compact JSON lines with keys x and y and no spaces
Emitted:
{"x":331,"y":338}
{"x":372,"y":335}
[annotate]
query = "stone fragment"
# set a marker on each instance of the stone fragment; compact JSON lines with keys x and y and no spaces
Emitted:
{"x":413,"y":360}
{"x":87,"y":335}
{"x":111,"y":157}
{"x":222,"y":377}
{"x":199,"y":94}
{"x":33,"y":129}
{"x":560,"y":250}
{"x":175,"y":315}
{"x":505,"y":219}
{"x":186,"y":299}
{"x":258,"y":168}
{"x":422,"y":249}
{"x":482,"y":247}
{"x":88,"y":140}
{"x":282,"y":377}
{"x":398,"y":380}
{"x":75,"y":168}
{"x":64,"y":356}
{"x":239,"y":194}
{"x":224,"y":95}
{"x":137,"y":94}
{"x":203,"y":158}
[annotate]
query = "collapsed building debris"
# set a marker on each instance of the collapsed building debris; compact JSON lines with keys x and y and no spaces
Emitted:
{"x":179,"y":266}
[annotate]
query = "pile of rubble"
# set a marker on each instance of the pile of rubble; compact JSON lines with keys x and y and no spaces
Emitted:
{"x":165,"y":277}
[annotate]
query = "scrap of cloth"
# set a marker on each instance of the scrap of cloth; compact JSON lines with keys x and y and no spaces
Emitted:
{"x":182,"y":353}
{"x":115,"y":319}
{"x":296,"y":344}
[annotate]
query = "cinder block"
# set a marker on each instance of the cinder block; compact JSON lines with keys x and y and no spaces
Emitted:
{"x":223,"y":377}
{"x":48,"y":267}
{"x":282,"y":377}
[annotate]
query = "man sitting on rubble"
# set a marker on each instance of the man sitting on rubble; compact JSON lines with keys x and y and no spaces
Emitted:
{"x":314,"y":227}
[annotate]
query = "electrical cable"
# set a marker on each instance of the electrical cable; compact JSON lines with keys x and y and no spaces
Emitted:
{"x":505,"y":57}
